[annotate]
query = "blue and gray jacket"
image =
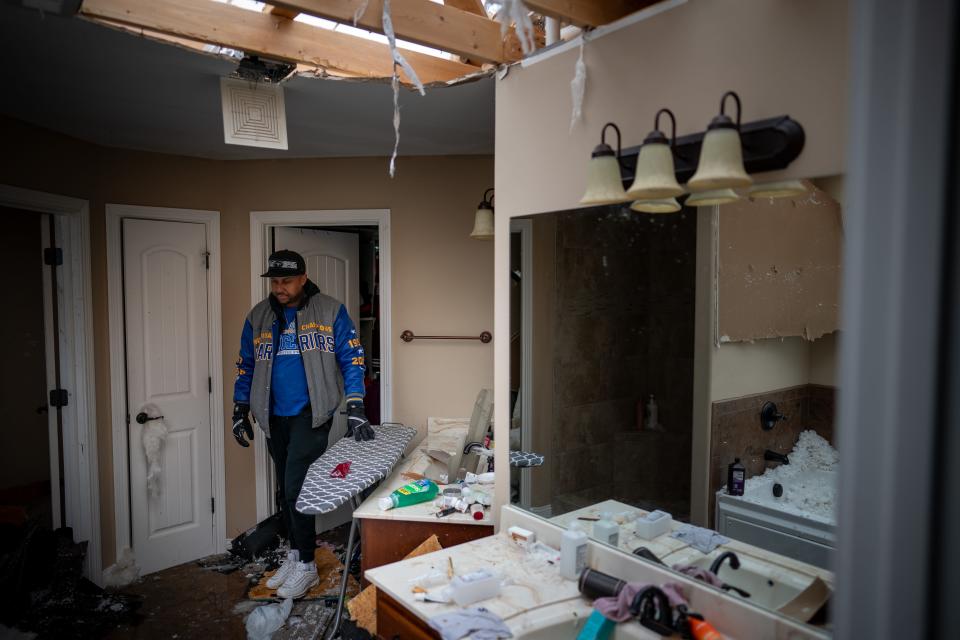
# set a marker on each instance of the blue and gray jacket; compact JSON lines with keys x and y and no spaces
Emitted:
{"x":333,"y":359}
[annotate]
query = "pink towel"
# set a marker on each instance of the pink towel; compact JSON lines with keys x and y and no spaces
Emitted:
{"x":618,"y":608}
{"x":698,"y":573}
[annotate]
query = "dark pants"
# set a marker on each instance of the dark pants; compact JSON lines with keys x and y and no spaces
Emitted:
{"x":294,"y":445}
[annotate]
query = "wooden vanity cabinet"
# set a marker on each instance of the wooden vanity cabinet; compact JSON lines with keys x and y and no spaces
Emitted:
{"x":395,"y":621}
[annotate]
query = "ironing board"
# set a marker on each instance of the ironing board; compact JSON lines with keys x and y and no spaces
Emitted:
{"x":370,"y":462}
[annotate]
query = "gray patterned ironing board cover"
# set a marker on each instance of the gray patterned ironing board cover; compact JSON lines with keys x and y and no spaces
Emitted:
{"x":525,"y":459}
{"x":369,"y":462}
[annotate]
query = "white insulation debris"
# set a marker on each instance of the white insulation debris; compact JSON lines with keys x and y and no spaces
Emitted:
{"x":124,"y":572}
{"x":578,"y":86}
{"x":154,"y":437}
{"x":362,"y":9}
{"x":401,"y":62}
{"x":514,"y":11}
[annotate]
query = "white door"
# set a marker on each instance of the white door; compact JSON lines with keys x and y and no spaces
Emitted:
{"x":333,"y":263}
{"x":165,"y":304}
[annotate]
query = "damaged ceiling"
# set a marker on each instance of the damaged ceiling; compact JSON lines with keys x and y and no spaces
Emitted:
{"x":114,"y":88}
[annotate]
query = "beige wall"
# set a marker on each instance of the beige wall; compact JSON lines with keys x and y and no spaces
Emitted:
{"x":442,"y":279}
{"x":781,"y":57}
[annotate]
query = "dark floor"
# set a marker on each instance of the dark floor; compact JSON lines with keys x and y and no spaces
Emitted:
{"x":202,"y":599}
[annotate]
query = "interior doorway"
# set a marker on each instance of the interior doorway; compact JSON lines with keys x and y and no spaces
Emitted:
{"x":56,"y":238}
{"x":30,"y":479}
{"x":166,"y":383}
{"x":348,"y":256}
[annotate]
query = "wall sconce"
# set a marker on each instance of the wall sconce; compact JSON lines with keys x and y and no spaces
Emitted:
{"x":658,"y":205}
{"x":655,"y":177}
{"x":712,"y":197}
{"x":781,"y":189}
{"x":721,"y":157}
{"x":483,"y":220}
{"x":604,"y":184}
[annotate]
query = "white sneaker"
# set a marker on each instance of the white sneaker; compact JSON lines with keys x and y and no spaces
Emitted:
{"x":286,"y":568}
{"x":303,"y":577}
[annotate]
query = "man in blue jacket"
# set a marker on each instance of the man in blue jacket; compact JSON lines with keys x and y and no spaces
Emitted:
{"x":296,"y":347}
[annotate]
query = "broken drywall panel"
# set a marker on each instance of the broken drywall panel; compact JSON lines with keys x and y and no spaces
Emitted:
{"x":779,"y":267}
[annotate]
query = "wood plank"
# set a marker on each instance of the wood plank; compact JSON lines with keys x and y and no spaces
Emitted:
{"x":270,"y":36}
{"x":280,"y":11}
{"x":472,"y":6}
{"x":421,"y":21}
{"x":587,"y":13}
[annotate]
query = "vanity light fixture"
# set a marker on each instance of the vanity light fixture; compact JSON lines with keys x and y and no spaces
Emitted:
{"x":712,"y":197}
{"x":657,"y":205}
{"x":721,"y":156}
{"x":483,"y":220}
{"x":604,"y":184}
{"x":780,"y":189}
{"x":655,"y":177}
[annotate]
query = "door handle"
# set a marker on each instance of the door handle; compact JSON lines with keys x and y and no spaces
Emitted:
{"x":143,"y":418}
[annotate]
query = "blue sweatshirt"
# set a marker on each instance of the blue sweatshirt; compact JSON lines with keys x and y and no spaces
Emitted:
{"x":288,"y":386}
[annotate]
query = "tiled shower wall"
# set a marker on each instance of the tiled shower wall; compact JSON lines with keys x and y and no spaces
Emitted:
{"x":623,"y":329}
{"x":736,"y":432}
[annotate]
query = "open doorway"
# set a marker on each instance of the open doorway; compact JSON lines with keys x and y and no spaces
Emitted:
{"x":30,"y":479}
{"x":50,"y":477}
{"x":348,"y":257}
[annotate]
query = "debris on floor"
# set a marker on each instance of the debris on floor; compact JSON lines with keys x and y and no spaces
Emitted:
{"x":263,"y":621}
{"x":125,"y":571}
{"x":330,"y":572}
{"x":43,"y":591}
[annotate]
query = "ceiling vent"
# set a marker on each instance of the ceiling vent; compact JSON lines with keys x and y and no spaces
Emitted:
{"x":253,"y":114}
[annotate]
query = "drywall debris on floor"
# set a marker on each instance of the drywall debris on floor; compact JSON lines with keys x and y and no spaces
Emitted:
{"x":779,"y":266}
{"x":125,"y":571}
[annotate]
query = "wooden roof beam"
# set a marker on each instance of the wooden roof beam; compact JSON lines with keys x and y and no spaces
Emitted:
{"x":471,"y":6}
{"x":587,"y":13}
{"x":421,"y":21}
{"x":270,"y":36}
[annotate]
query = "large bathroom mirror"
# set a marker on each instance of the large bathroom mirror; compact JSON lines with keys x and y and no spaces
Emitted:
{"x":676,"y":373}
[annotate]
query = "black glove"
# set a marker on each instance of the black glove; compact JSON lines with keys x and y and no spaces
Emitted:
{"x":241,"y":424}
{"x":357,"y":424}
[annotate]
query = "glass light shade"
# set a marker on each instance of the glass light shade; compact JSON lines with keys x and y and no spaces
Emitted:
{"x":655,"y":178}
{"x":714,"y":196}
{"x":721,"y":162}
{"x":604,"y":185}
{"x":659,"y":205}
{"x":483,"y":224}
{"x":780,"y":189}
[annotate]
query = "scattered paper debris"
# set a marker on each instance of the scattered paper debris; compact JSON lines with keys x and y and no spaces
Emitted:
{"x":125,"y":571}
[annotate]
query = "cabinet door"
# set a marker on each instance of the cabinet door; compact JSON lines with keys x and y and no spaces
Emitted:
{"x":394,"y":621}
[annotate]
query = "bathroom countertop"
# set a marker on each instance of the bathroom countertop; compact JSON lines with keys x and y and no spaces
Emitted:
{"x":445,"y":434}
{"x":672,"y":551}
{"x":661,"y":546}
{"x":533,"y":582}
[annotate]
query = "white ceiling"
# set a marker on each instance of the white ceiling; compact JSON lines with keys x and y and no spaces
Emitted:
{"x":119,"y":90}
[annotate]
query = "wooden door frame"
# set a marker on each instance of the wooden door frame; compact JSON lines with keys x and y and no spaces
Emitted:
{"x":81,"y":475}
{"x":380,"y":218}
{"x":115,"y":213}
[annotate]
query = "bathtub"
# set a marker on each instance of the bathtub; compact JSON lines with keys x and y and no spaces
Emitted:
{"x":782,"y":530}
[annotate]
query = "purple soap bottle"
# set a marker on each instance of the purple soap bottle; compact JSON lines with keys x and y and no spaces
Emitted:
{"x":736,"y":476}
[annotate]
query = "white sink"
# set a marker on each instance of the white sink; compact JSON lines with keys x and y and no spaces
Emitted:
{"x":770,"y":586}
{"x":565,"y":620}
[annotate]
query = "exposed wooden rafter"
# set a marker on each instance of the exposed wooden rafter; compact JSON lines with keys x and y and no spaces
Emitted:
{"x":421,"y":21}
{"x":587,"y":13}
{"x":270,"y":36}
{"x":280,"y":11}
{"x":473,"y":6}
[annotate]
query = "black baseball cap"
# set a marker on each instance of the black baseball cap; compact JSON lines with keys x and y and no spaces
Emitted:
{"x":285,"y":263}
